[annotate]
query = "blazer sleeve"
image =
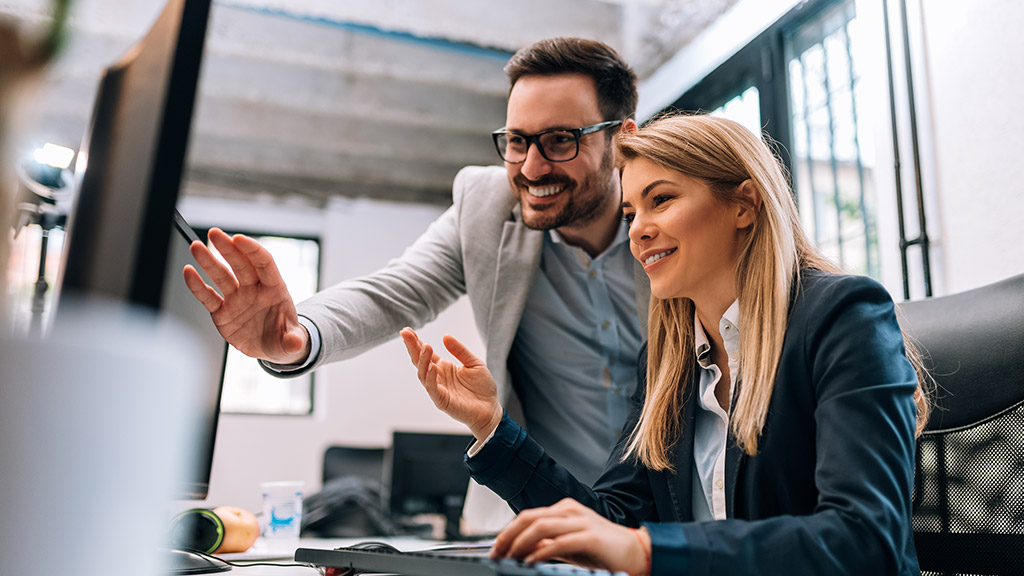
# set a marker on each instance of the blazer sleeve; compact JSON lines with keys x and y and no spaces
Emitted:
{"x":411,"y":290}
{"x":518,"y":470}
{"x":850,"y":347}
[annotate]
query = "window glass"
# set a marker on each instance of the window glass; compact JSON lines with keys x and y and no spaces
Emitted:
{"x":832,"y":151}
{"x":744,"y":108}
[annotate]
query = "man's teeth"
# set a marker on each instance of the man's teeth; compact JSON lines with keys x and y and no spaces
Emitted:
{"x":546,"y":191}
{"x":652,"y":259}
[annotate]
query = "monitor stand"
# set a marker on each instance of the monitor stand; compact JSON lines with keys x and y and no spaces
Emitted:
{"x":452,"y":506}
{"x":189,"y":562}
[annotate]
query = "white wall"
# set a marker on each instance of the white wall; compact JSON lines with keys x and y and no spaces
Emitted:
{"x":357,"y":402}
{"x":974,"y":52}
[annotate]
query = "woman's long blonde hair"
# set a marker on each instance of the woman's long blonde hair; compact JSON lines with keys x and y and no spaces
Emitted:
{"x":724,"y":154}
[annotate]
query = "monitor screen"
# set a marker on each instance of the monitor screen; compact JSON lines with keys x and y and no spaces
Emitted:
{"x":121,"y":242}
{"x":428,"y":476}
{"x":131,"y":162}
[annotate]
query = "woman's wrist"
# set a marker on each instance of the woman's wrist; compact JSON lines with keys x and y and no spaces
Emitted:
{"x":483,"y":432}
{"x":644,"y":540}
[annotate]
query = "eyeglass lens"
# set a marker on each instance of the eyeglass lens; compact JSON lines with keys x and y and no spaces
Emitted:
{"x":556,"y":145}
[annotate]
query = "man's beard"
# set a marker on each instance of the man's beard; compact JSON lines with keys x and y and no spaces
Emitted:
{"x":584,"y":200}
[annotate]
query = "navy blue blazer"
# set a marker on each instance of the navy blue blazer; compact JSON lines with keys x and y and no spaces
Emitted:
{"x":829,"y":491}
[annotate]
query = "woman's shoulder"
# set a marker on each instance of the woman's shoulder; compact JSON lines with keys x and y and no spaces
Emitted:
{"x":821,"y":285}
{"x":820,"y":296}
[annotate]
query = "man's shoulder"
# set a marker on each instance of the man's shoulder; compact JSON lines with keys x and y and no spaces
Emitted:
{"x":490,"y":182}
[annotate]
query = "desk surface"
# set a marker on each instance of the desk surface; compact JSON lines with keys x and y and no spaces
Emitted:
{"x":263,"y":549}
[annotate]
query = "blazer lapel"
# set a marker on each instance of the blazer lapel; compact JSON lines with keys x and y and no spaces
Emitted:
{"x":680,"y":484}
{"x":517,"y":265}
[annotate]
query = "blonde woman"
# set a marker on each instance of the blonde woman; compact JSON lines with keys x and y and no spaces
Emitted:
{"x":773,"y":429}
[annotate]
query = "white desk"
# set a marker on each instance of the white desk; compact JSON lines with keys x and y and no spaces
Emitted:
{"x":262,"y":548}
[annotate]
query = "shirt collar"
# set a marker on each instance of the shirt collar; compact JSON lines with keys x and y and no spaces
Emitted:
{"x":731,"y":319}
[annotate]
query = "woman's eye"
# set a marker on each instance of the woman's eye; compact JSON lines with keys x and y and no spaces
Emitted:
{"x":660,"y":199}
{"x":628,"y":219}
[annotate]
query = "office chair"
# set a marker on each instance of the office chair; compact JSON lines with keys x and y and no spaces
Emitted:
{"x":353,"y":461}
{"x":968,"y":503}
{"x":351,"y":503}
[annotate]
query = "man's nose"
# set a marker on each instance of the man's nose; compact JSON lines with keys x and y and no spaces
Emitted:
{"x":535,"y":165}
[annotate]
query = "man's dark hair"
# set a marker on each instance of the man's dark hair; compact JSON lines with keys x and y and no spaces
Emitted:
{"x":614,"y":79}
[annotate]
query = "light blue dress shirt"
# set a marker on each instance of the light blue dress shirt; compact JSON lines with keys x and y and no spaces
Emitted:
{"x":573,"y":362}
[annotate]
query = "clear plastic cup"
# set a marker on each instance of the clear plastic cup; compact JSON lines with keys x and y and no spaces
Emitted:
{"x":282,"y":510}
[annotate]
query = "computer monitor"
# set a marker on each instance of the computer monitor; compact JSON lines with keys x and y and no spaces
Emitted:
{"x":130,"y":166}
{"x":121,"y":241}
{"x":428,"y":476}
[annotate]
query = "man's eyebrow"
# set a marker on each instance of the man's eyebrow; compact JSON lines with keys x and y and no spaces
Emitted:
{"x":646,"y":191}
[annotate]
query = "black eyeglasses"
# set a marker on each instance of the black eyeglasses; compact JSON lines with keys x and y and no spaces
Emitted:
{"x":555,"y":145}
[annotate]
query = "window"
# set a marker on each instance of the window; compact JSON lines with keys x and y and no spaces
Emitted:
{"x":247,"y":388}
{"x":831,"y":153}
{"x":800,"y":82}
{"x":744,"y":108}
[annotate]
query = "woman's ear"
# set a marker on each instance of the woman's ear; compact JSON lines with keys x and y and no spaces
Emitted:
{"x":750,"y":204}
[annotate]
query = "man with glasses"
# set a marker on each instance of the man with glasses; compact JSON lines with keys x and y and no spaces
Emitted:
{"x":539,"y":247}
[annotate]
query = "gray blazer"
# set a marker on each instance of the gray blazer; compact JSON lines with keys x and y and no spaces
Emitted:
{"x":478,"y":247}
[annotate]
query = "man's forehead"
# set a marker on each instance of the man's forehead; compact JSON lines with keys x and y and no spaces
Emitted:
{"x":539,"y":103}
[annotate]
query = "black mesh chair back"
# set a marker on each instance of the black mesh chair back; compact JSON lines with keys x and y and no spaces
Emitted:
{"x":969,"y":479}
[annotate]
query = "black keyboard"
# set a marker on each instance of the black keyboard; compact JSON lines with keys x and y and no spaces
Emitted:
{"x":435,"y":564}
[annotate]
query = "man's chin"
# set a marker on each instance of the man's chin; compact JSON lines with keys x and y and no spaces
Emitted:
{"x":541,"y":221}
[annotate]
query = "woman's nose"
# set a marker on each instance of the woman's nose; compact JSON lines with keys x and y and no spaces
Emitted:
{"x":640,"y":228}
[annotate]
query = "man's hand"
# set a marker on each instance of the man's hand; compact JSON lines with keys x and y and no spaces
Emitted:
{"x":572,"y":532}
{"x":253,"y":311}
{"x":467,"y":393}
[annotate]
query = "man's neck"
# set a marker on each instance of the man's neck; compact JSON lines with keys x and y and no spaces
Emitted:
{"x":596,"y":235}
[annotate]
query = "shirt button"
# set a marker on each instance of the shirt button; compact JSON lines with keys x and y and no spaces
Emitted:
{"x":605,"y":325}
{"x":719,"y":485}
{"x":593,"y":274}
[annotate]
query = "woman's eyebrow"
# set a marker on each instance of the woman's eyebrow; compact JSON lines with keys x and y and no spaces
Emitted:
{"x":646,"y":191}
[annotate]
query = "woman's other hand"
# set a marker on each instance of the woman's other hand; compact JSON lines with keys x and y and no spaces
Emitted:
{"x":465,"y":391}
{"x":571,"y":532}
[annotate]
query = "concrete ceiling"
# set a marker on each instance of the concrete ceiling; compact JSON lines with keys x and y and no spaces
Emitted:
{"x":305,"y":99}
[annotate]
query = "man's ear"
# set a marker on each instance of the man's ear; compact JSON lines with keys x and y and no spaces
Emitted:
{"x":750,"y":204}
{"x":629,"y":126}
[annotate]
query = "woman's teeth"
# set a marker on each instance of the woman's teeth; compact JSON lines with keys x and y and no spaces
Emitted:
{"x":652,"y":259}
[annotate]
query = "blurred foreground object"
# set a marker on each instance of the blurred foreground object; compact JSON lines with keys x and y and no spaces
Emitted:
{"x":24,"y":55}
{"x":94,"y":434}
